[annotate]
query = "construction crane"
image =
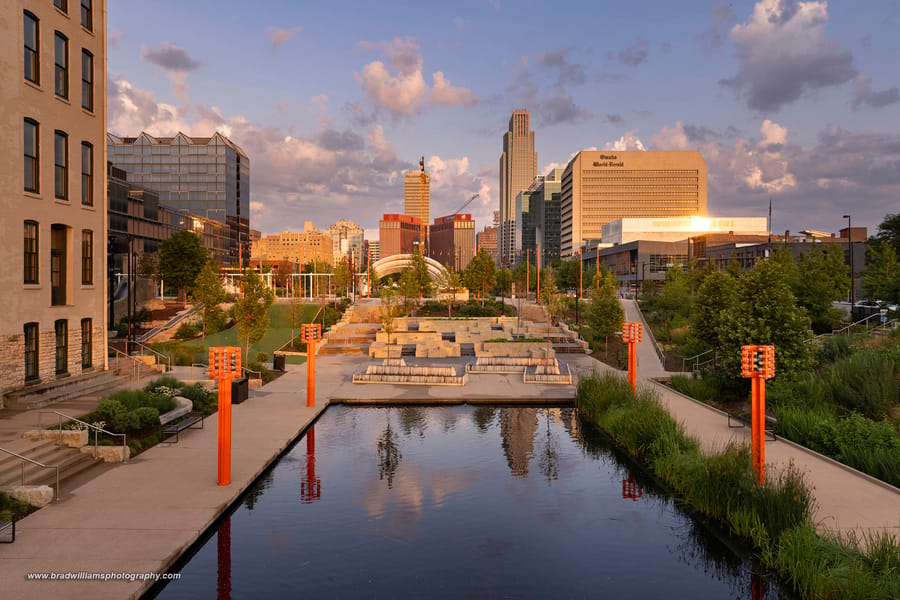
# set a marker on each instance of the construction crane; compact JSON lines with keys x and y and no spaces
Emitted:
{"x":423,"y":225}
{"x":468,"y":202}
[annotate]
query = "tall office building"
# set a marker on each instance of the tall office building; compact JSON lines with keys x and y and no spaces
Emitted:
{"x":301,"y":248}
{"x":599,"y":186}
{"x":518,"y":168}
{"x":417,"y":197}
{"x":398,"y":234}
{"x":52,"y":192}
{"x":453,"y":241}
{"x":207,"y":176}
{"x":347,"y":238}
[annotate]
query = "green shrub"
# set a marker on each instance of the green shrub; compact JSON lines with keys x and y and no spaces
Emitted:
{"x":834,"y":348}
{"x":865,"y":381}
{"x":146,"y":416}
{"x":187,"y":331}
{"x":261,"y":357}
{"x":124,"y":421}
{"x":700,"y":388}
{"x":164,"y":381}
{"x":109,"y":408}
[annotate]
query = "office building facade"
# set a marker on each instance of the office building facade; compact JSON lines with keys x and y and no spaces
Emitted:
{"x":207,"y":176}
{"x":486,"y":239}
{"x":518,"y":168}
{"x":600,"y":186}
{"x":398,"y":234}
{"x":417,"y":198}
{"x":347,"y":238}
{"x":453,"y":241}
{"x":53,"y":192}
{"x":299,"y":247}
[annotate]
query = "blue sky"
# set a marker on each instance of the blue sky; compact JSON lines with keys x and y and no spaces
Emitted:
{"x":797,"y":102}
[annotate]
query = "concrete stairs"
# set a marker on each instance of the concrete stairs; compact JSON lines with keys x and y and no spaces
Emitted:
{"x":72,"y":463}
{"x":45,"y":394}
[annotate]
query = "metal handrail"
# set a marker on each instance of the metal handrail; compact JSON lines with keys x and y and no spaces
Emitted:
{"x":34,"y":462}
{"x":696,"y":359}
{"x":158,"y":355}
{"x":257,"y":373}
{"x":135,"y":363}
{"x":659,"y":352}
{"x":97,"y":430}
{"x":170,"y":323}
{"x":848,"y":328}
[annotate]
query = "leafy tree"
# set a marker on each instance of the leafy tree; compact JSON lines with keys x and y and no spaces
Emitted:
{"x":374,"y":282}
{"x":421,"y":276}
{"x":765,"y":311}
{"x":181,"y":258}
{"x":822,"y":278}
{"x":548,"y":284}
{"x":674,"y":301}
{"x":409,"y":289}
{"x":504,"y":278}
{"x":713,"y":300}
{"x":251,"y":310}
{"x":342,"y":277}
{"x":567,"y":273}
{"x":449,"y":282}
{"x":481,"y":273}
{"x":881,"y":278}
{"x":389,"y":310}
{"x":605,"y":315}
{"x":209,"y":291}
{"x":889,"y":232}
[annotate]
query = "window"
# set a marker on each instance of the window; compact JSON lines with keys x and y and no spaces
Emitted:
{"x":61,"y":165}
{"x":61,"y":69}
{"x":59,"y":238}
{"x":62,"y":346}
{"x":87,"y":15}
{"x":87,"y":345}
{"x":31,"y":252}
{"x":87,"y":80}
{"x":87,"y":174}
{"x":87,"y":257}
{"x":31,"y":351}
{"x":62,"y":5}
{"x":32,"y":49}
{"x":32,"y":171}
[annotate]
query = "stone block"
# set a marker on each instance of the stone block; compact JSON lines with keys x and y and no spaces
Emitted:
{"x":110,"y":454}
{"x":38,"y":496}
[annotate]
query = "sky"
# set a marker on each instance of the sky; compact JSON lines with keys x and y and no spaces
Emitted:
{"x":797,"y":103}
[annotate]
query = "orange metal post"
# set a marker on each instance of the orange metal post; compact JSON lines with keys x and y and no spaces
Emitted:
{"x":310,"y":333}
{"x":758,"y":364}
{"x":224,"y":365}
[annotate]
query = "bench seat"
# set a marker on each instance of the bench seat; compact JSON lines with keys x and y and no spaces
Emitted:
{"x":8,"y":531}
{"x":738,"y":420}
{"x":180,"y":418}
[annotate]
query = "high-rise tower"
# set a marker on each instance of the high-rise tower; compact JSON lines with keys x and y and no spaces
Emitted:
{"x":518,"y":167}
{"x":417,"y":197}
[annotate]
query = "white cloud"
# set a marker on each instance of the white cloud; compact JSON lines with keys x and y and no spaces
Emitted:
{"x":670,"y":138}
{"x":772,"y":133}
{"x":628,"y":141}
{"x":406,"y":93}
{"x":783,"y":53}
{"x":281,"y":36}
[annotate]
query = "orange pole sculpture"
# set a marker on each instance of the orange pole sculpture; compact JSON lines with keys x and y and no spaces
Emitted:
{"x":224,"y":365}
{"x":537,"y":297}
{"x":758,"y":364}
{"x":632,"y":333}
{"x":310,"y":333}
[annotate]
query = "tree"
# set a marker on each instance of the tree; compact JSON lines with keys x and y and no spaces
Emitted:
{"x":181,"y":257}
{"x":568,"y":273}
{"x":881,"y":279}
{"x":409,"y":289}
{"x":822,"y":278}
{"x":373,"y":281}
{"x":421,"y":276}
{"x":389,"y":310}
{"x":209,"y":291}
{"x":481,"y":273}
{"x":251,"y":310}
{"x":504,"y":278}
{"x":605,"y":315}
{"x":765,"y":311}
{"x":889,"y":232}
{"x":449,"y":282}
{"x":674,"y":301}
{"x":342,"y":276}
{"x":713,"y":301}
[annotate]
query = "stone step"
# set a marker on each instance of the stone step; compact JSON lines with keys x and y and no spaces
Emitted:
{"x":44,"y":451}
{"x":344,"y":349}
{"x":70,"y":461}
{"x":45,"y":394}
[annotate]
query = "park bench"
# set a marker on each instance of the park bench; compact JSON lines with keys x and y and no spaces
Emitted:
{"x":180,"y":418}
{"x":8,"y":531}
{"x":738,"y":420}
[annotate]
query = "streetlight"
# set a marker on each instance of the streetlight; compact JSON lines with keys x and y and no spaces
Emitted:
{"x":852,"y":265}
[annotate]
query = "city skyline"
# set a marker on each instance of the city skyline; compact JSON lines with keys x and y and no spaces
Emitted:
{"x":793,"y":103}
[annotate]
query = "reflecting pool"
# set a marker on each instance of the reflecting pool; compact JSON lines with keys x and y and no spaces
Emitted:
{"x":459,"y":502}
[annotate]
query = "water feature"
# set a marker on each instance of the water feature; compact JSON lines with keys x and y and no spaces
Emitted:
{"x":462,"y":501}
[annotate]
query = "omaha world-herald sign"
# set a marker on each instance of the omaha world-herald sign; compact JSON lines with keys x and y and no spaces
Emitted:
{"x":609,"y":160}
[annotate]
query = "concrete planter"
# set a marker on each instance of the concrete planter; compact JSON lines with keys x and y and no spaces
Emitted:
{"x":38,"y":496}
{"x":111,"y":454}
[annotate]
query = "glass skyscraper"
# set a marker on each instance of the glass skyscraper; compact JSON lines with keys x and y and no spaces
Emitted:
{"x":207,"y":176}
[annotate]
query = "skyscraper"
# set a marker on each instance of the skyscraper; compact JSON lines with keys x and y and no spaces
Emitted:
{"x":518,"y":167}
{"x":52,"y":193}
{"x":417,"y":198}
{"x":207,"y":176}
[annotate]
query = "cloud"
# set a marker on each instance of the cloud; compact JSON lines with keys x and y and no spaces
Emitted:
{"x":281,"y":36}
{"x":453,"y":182}
{"x":865,"y":97}
{"x":633,"y":55}
{"x":628,"y":141}
{"x":615,"y":119}
{"x":559,"y":106}
{"x":406,"y":93}
{"x":567,"y":73}
{"x":171,"y":58}
{"x":783,"y":53}
{"x":723,"y":18}
{"x":114,"y":38}
{"x":177,"y":64}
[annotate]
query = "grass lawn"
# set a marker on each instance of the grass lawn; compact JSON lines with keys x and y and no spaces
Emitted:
{"x":277,"y":335}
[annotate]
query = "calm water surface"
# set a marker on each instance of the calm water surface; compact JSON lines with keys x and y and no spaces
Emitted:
{"x":459,"y":502}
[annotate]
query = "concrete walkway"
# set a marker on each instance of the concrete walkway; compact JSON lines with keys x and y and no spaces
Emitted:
{"x":141,"y":516}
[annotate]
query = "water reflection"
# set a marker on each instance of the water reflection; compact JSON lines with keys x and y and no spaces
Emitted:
{"x":462,"y":502}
